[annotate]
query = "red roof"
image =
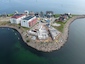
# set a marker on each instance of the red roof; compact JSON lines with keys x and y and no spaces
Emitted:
{"x":16,"y":16}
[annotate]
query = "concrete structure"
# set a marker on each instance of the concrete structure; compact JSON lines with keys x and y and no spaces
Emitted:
{"x":53,"y":32}
{"x":29,"y":21}
{"x":42,"y":33}
{"x":16,"y":19}
{"x":32,"y":32}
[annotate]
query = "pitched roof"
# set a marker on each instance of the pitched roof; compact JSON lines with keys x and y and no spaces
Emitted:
{"x":16,"y":16}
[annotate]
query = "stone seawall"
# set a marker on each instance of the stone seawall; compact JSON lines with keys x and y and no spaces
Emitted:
{"x":66,"y":27}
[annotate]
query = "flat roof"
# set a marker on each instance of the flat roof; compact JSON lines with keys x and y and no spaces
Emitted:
{"x":29,"y":17}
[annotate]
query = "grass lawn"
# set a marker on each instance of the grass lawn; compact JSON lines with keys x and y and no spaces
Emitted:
{"x":10,"y":15}
{"x":60,"y":28}
{"x":56,"y":15}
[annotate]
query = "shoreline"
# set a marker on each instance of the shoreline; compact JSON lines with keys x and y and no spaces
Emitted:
{"x":66,"y":27}
{"x":51,"y":46}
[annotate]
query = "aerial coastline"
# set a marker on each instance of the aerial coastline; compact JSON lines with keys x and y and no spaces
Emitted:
{"x":43,"y":46}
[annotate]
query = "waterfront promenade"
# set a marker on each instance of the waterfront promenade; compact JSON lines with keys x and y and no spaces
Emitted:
{"x":43,"y":46}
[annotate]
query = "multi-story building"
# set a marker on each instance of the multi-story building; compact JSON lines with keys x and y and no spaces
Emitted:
{"x":16,"y":19}
{"x":29,"y":21}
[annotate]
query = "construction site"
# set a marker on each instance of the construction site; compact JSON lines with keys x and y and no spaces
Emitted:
{"x":44,"y":32}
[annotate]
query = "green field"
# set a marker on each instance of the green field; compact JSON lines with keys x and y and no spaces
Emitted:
{"x":60,"y":28}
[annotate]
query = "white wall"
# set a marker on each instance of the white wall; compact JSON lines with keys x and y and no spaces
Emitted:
{"x":17,"y":21}
{"x":24,"y":23}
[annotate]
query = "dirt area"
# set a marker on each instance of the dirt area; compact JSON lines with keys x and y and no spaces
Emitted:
{"x":3,"y":19}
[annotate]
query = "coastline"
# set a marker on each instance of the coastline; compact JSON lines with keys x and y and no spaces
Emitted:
{"x":66,"y":27}
{"x":51,"y":46}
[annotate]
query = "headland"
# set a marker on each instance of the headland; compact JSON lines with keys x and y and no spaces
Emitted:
{"x":43,"y":45}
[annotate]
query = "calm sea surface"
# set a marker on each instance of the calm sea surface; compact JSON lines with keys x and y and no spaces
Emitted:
{"x":58,"y":6}
{"x":14,"y":51}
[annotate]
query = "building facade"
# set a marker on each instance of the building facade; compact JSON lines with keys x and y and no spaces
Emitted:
{"x":16,"y":19}
{"x":29,"y":21}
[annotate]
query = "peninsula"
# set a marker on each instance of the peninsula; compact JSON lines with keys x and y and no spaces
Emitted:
{"x":45,"y":33}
